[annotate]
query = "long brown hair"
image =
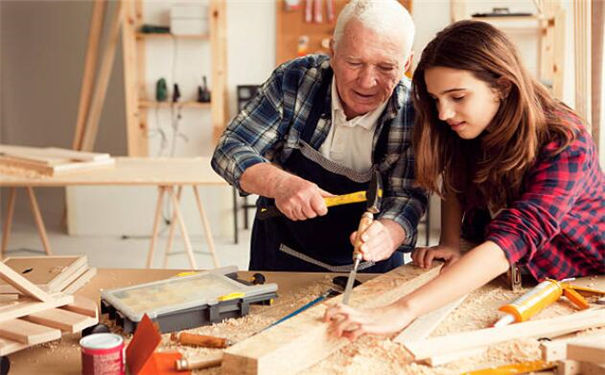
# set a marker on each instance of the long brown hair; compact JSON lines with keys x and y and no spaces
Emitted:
{"x":495,"y":163}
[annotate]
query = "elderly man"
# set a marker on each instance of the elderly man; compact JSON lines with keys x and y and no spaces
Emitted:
{"x":320,"y":126}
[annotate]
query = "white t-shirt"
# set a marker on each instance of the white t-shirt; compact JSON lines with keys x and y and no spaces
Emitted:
{"x":349,"y":143}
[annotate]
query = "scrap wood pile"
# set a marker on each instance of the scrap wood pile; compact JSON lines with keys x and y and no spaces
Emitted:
{"x":49,"y":161}
{"x":31,"y":314}
{"x":452,"y":340}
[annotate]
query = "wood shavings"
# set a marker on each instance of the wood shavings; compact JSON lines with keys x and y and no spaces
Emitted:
{"x":21,"y":172}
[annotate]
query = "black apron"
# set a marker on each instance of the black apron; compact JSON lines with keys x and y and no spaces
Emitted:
{"x":320,"y":244}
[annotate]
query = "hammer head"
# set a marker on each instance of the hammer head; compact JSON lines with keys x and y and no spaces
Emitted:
{"x":374,"y":193}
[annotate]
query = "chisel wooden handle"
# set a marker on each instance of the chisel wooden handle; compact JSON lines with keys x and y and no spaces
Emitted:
{"x":193,"y":339}
{"x":199,"y":363}
{"x":366,"y":220}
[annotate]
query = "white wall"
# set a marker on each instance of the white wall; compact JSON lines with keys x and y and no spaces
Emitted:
{"x":43,"y":44}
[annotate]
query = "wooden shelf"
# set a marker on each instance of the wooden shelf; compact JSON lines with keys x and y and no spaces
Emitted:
{"x":141,"y":36}
{"x":168,"y":104}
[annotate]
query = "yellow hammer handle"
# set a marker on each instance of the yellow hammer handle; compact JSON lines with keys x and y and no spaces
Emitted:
{"x":358,"y":196}
{"x":366,"y":220}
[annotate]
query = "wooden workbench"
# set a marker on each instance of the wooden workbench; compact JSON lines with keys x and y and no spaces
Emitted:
{"x":168,"y":174}
{"x":368,"y":355}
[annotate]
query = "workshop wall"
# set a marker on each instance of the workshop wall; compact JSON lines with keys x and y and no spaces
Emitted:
{"x":42,"y":47}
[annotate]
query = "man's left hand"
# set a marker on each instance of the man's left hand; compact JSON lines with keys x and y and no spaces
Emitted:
{"x":380,"y":240}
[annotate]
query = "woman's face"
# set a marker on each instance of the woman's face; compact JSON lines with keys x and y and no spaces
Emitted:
{"x":464,"y":102}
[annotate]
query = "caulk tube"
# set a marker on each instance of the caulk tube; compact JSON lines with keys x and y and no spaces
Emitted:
{"x":531,"y":303}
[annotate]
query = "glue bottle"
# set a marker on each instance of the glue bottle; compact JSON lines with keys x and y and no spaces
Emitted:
{"x":531,"y":303}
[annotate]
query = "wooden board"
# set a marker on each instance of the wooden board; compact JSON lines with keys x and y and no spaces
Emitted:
{"x":27,"y":306}
{"x":553,"y":327}
{"x":22,"y":284}
{"x":423,"y":326}
{"x":50,"y":273}
{"x":28,"y":333}
{"x":80,"y":281}
{"x":592,"y":351}
{"x":556,"y":350}
{"x":8,"y":164}
{"x":84,"y":306}
{"x":64,"y":320}
{"x":303,"y":340}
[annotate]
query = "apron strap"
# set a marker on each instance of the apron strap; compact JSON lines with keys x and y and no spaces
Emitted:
{"x":318,"y":108}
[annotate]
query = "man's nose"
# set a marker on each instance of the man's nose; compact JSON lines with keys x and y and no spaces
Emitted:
{"x":367,"y":77}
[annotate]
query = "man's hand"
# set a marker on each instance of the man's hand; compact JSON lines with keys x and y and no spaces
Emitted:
{"x":423,"y":256}
{"x":380,"y":240}
{"x":295,"y":197}
{"x":299,"y":199}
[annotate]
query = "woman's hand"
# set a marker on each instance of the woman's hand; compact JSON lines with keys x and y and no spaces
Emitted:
{"x":352,"y":323}
{"x":423,"y":256}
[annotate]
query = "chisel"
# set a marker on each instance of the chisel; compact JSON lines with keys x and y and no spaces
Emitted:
{"x":374,"y":198}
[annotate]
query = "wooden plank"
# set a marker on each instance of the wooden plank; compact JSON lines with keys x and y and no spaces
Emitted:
{"x":64,"y":320}
{"x":22,"y":284}
{"x":553,"y":327}
{"x":84,"y":306}
{"x":28,"y":333}
{"x":592,"y":351}
{"x":556,"y":350}
{"x":50,"y":273}
{"x":80,"y":281}
{"x":303,"y":340}
{"x":55,"y":169}
{"x":98,"y":98}
{"x":589,"y":368}
{"x":27,"y":306}
{"x":423,"y":326}
{"x":77,"y":155}
{"x":8,"y":346}
{"x":90,"y":66}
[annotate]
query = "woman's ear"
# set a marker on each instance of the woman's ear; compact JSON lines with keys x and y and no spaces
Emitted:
{"x":504,"y":86}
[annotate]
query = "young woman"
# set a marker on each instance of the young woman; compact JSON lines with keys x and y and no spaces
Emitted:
{"x":502,"y":152}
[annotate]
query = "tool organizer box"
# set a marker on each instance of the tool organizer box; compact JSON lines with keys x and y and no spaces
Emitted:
{"x":185,"y":302}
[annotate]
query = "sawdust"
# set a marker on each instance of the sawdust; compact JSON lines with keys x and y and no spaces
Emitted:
{"x":21,"y":172}
{"x":378,"y":355}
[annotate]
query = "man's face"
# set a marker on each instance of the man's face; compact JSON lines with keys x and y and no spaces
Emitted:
{"x":367,"y":67}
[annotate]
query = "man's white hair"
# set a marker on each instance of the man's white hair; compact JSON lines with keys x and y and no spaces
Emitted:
{"x":380,"y":16}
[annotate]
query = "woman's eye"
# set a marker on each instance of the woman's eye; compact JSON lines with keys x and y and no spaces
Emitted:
{"x":458,"y":98}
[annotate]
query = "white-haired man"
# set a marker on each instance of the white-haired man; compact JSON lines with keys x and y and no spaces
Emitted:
{"x":321,"y":125}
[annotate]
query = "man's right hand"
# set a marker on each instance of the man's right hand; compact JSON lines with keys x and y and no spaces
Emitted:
{"x":299,"y":199}
{"x":295,"y":197}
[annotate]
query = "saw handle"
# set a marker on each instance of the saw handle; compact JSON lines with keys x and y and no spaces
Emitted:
{"x":366,"y":220}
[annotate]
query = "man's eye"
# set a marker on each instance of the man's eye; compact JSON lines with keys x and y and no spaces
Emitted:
{"x":386,"y":68}
{"x":352,"y":63}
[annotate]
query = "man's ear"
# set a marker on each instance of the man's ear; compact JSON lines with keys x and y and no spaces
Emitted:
{"x":332,"y":44}
{"x":408,"y":64}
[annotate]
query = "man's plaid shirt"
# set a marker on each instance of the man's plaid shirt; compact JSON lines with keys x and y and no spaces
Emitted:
{"x":268,"y":129}
{"x":557,"y":227}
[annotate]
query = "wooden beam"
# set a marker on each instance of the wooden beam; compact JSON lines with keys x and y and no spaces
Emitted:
{"x":303,"y":340}
{"x":62,"y":319}
{"x":592,"y":351}
{"x":28,"y":333}
{"x":84,"y":306}
{"x":423,"y":326}
{"x":22,"y":284}
{"x":29,"y":306}
{"x":556,"y":350}
{"x":553,"y":327}
{"x":90,"y":66}
{"x":98,"y":98}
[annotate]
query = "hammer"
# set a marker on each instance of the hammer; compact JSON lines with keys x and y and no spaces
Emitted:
{"x":358,"y":196}
{"x":374,"y":196}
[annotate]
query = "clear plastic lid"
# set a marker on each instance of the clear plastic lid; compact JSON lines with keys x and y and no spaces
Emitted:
{"x":179,"y":293}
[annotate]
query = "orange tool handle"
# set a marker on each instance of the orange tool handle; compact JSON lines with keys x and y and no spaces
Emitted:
{"x":575,"y":297}
{"x":193,"y":339}
{"x":366,"y":220}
